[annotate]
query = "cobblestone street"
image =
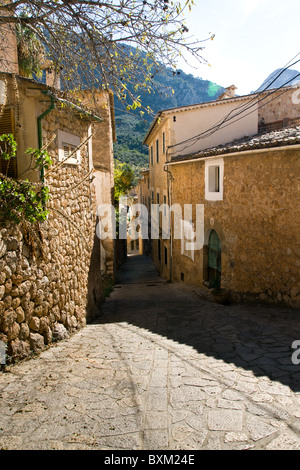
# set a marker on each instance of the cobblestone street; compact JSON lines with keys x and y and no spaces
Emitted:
{"x":160,"y":369}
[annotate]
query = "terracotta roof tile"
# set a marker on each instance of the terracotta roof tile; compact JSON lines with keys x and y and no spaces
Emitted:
{"x":275,"y":138}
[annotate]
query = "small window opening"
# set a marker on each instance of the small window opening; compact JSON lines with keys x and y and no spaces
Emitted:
{"x":214,"y":179}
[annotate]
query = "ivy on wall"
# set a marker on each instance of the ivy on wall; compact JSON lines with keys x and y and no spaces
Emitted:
{"x":22,"y":201}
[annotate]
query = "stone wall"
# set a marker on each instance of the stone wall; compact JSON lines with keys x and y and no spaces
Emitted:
{"x":257,"y":222}
{"x":281,"y":105}
{"x":103,"y":138}
{"x":48,"y":294}
{"x":37,"y":303}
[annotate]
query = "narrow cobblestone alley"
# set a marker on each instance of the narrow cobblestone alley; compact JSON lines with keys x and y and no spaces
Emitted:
{"x":161,"y":369}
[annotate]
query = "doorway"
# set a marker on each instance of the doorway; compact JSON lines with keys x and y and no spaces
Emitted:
{"x":214,"y":260}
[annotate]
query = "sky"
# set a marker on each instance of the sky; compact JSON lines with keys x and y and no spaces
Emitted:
{"x":253,"y":38}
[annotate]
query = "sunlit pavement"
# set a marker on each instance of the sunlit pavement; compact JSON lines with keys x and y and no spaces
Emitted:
{"x":160,"y":369}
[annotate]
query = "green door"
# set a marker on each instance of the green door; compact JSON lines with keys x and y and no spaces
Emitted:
{"x":214,"y":260}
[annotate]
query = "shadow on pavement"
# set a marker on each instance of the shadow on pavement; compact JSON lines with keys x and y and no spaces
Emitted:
{"x":254,"y":337}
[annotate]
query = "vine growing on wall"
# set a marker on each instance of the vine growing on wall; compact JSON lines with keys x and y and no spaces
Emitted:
{"x":22,"y":201}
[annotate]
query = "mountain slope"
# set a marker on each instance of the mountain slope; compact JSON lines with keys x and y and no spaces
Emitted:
{"x":174,"y":90}
{"x":171,"y":90}
{"x":285,"y":78}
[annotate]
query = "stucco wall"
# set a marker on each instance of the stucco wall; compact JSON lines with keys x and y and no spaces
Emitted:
{"x":8,"y":45}
{"x":195,"y":121}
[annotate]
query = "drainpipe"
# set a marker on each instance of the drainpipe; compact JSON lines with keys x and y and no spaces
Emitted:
{"x":170,"y":178}
{"x":39,"y":126}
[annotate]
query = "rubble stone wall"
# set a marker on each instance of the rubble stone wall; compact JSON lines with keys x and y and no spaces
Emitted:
{"x":257,"y":222}
{"x":280,"y":105}
{"x":48,"y":294}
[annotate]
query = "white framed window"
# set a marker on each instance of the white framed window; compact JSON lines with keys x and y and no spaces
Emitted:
{"x":67,"y":144}
{"x":214,"y":174}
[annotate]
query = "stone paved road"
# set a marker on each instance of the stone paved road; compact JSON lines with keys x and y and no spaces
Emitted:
{"x":161,"y":369}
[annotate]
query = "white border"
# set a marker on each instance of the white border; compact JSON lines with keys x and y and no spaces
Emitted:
{"x":214,"y":196}
{"x":71,"y":139}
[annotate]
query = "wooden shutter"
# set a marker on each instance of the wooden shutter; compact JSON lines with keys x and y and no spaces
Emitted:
{"x":7,"y":127}
{"x":68,"y":149}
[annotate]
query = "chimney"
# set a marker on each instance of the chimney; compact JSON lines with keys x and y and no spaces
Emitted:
{"x":53,"y":78}
{"x":228,"y":93}
{"x":8,"y":43}
{"x":52,"y":74}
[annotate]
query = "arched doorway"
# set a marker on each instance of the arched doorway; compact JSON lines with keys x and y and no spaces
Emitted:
{"x":214,"y":260}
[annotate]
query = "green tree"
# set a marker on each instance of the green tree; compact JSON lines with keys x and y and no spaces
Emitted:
{"x":123,"y":179}
{"x":112,"y":44}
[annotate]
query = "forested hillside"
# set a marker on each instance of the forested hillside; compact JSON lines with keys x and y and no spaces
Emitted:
{"x":172,"y":90}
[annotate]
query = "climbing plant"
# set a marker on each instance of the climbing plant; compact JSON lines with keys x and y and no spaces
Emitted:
{"x":22,"y":200}
{"x":30,"y":51}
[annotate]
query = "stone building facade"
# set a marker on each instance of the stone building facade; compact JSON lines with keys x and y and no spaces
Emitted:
{"x":104,"y":136}
{"x":279,"y":110}
{"x":248,"y":189}
{"x":144,"y":198}
{"x":168,"y":137}
{"x":255,"y":223}
{"x":46,"y":294}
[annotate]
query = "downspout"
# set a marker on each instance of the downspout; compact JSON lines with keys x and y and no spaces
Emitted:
{"x":39,"y":127}
{"x":170,"y":178}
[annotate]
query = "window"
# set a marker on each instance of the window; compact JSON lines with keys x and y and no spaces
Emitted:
{"x":151,"y":155}
{"x":157,"y":198}
{"x":157,"y":151}
{"x":67,"y":144}
{"x":68,"y":149}
{"x":164,"y":143}
{"x":166,"y":256}
{"x":214,"y":172}
{"x":214,"y":179}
